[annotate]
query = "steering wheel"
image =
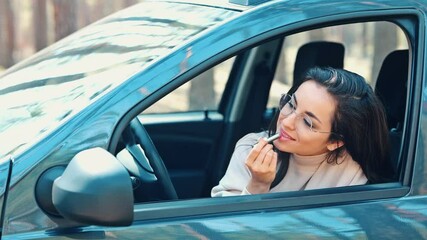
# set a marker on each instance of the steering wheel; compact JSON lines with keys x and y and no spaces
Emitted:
{"x":149,"y":159}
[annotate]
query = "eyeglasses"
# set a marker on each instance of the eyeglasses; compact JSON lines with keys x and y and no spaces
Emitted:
{"x":302,"y":121}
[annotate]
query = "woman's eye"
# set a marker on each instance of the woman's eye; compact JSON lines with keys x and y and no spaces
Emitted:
{"x":308,"y":122}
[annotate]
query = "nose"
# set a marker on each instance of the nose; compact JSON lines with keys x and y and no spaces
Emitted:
{"x":289,"y":121}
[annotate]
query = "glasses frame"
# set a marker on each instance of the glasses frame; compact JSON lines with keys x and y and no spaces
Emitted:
{"x":283,"y":102}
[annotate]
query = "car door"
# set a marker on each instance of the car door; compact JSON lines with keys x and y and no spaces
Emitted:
{"x":337,"y":213}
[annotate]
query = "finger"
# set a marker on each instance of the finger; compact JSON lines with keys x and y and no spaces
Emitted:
{"x":252,"y":156}
{"x":270,"y":161}
{"x":266,"y":171}
{"x":261,"y":156}
{"x":267,"y":148}
{"x":256,"y":150}
{"x":273,"y":162}
{"x":268,"y":158}
{"x":260,"y":143}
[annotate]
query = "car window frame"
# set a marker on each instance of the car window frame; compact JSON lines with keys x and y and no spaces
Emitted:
{"x":308,"y":198}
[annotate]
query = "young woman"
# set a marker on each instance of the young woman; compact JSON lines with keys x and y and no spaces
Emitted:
{"x":332,"y":132}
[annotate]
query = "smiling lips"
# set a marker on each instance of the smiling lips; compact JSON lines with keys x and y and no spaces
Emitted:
{"x":284,"y":136}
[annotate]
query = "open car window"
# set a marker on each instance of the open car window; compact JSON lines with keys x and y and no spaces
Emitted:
{"x":357,"y":47}
{"x":201,"y":93}
{"x":363,"y":45}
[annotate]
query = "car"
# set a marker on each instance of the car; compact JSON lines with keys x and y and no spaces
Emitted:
{"x":121,"y":130}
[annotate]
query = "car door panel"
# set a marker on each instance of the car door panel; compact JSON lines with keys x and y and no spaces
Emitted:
{"x":346,"y":221}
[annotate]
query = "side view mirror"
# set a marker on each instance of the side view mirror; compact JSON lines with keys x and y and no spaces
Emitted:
{"x":94,"y":189}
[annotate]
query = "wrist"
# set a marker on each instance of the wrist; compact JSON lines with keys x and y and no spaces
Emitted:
{"x":254,"y":187}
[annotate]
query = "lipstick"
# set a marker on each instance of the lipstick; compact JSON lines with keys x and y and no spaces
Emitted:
{"x":272,"y":138}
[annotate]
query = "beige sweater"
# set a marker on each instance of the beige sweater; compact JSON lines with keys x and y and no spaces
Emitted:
{"x":304,"y":172}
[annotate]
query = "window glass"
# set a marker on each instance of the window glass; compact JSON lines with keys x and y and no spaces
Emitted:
{"x":50,"y":87}
{"x":203,"y":92}
{"x":365,"y":44}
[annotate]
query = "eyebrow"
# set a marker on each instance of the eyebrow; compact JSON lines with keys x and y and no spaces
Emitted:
{"x":313,"y":116}
{"x":308,"y":113}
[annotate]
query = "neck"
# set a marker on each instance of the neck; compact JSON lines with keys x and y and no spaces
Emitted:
{"x":308,"y":161}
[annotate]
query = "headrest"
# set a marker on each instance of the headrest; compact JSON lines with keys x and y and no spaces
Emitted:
{"x":320,"y":54}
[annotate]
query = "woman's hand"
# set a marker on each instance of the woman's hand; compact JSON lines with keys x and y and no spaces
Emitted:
{"x":261,"y":162}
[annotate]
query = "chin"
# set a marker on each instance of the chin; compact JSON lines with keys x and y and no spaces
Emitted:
{"x":284,"y":148}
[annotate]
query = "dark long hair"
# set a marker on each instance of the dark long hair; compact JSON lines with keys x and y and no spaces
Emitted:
{"x":359,"y":121}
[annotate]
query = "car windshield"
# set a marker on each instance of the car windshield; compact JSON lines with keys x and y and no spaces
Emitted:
{"x":44,"y":91}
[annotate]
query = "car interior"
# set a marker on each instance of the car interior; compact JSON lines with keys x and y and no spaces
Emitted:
{"x":191,"y":149}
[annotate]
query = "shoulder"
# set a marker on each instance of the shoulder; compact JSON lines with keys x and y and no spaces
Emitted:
{"x":250,"y":139}
{"x":346,"y":160}
{"x":352,"y":169}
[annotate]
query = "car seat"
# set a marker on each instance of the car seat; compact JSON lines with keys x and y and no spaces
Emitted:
{"x":320,"y":54}
{"x":391,"y":89}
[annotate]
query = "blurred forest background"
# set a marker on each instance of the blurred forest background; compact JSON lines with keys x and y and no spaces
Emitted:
{"x":27,"y":26}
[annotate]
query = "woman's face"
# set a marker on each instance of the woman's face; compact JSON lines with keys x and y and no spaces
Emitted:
{"x":311,"y":102}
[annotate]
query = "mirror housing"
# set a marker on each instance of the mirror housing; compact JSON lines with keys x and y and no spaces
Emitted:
{"x":94,"y":189}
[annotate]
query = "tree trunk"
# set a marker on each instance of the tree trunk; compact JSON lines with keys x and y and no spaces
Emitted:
{"x":65,"y":18}
{"x":202,"y":92}
{"x":40,"y":24}
{"x":7,"y":34}
{"x":381,"y":47}
{"x":317,"y":35}
{"x":83,"y":14}
{"x":281,"y":67}
{"x":127,"y":3}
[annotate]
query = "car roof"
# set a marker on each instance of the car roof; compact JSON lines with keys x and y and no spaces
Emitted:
{"x":237,"y":5}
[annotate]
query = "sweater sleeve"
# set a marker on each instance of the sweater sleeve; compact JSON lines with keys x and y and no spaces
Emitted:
{"x":237,"y":175}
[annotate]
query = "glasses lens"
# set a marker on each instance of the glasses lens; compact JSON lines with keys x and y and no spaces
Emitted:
{"x":283,"y":100}
{"x":287,"y":109}
{"x":305,"y":122}
{"x":288,"y":106}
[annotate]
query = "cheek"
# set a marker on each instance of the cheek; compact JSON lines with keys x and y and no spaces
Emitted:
{"x":312,"y":140}
{"x":305,"y":144}
{"x":279,"y":120}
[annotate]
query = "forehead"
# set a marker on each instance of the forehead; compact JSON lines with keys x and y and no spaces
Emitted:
{"x":314,"y":98}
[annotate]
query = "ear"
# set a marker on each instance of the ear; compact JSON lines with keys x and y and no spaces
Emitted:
{"x":334,"y":145}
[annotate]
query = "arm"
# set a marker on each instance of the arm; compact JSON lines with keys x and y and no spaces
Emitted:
{"x":247,"y":168}
{"x":237,"y":175}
